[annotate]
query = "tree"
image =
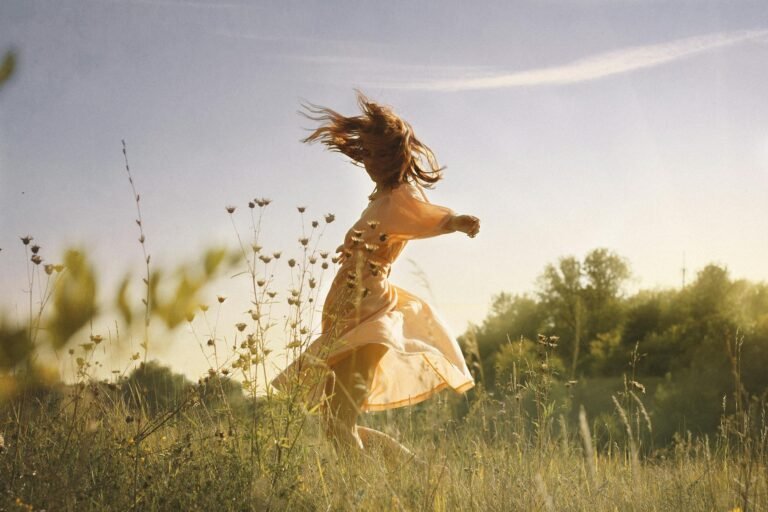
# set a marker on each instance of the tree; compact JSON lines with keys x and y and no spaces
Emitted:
{"x":511,"y":317}
{"x":605,"y":274}
{"x":155,"y":387}
{"x":583,"y":299}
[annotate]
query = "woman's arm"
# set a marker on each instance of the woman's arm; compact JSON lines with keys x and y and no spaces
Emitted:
{"x":468,"y":224}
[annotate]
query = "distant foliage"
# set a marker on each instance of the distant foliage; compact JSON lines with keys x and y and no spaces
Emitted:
{"x":680,"y":336}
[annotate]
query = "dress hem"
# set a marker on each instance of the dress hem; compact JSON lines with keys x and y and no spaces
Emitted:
{"x":412,"y":400}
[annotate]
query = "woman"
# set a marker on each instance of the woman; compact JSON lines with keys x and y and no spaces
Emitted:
{"x":385,"y":347}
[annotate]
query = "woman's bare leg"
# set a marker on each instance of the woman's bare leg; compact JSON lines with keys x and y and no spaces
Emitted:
{"x":373,"y":439}
{"x":348,"y":391}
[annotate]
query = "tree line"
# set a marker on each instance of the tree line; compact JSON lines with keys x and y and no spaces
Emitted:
{"x":687,"y":348}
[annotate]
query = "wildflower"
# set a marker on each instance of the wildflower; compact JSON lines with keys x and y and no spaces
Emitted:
{"x":335,"y":259}
{"x":293,"y":344}
{"x":304,"y":330}
{"x":71,"y":351}
{"x":329,"y":217}
{"x":26,"y":239}
{"x":36,"y":259}
{"x":261,"y":282}
{"x":251,"y":205}
{"x":312,"y":282}
{"x":255,"y":247}
{"x":221,"y":298}
{"x":225,"y":371}
{"x":312,"y":260}
{"x":324,"y":266}
{"x":231,"y":209}
{"x":272,"y":294}
{"x":58,"y":268}
{"x":324,"y":254}
{"x":301,"y":209}
{"x":315,"y":223}
{"x":210,"y":342}
{"x":277,"y":255}
{"x":203,"y":308}
{"x":189,"y":316}
{"x":295,"y":293}
{"x":548,"y":341}
{"x":291,"y":262}
{"x":255,"y":316}
{"x":35,"y":249}
{"x":304,"y":241}
{"x":240,"y":326}
{"x":97,"y":338}
{"x":265,"y":259}
{"x":637,"y":386}
{"x":48,"y":269}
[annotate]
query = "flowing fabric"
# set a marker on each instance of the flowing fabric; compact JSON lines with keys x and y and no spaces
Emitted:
{"x":362,"y":307}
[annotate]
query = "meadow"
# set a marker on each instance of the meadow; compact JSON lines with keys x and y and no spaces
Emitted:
{"x":586,"y":399}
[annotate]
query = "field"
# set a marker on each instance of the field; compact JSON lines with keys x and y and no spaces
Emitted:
{"x":626,"y":427}
{"x":84,"y":447}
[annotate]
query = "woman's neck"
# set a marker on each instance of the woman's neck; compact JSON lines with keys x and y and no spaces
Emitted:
{"x":381,"y":189}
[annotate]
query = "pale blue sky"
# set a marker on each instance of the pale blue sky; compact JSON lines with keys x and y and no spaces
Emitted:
{"x":640,"y":126}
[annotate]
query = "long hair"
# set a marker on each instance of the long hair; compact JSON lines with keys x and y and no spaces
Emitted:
{"x":378,"y":140}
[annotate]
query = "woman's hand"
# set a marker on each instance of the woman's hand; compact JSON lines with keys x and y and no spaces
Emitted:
{"x":468,"y":224}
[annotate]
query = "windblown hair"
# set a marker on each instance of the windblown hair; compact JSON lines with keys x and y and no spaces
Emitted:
{"x":394,"y":154}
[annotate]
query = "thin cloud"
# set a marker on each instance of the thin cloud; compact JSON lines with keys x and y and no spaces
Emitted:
{"x":590,"y":68}
{"x":309,"y":51}
{"x":176,"y":3}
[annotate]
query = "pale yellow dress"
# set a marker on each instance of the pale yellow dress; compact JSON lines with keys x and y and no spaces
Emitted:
{"x":362,"y":307}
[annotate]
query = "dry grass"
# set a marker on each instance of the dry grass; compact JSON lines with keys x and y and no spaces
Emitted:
{"x":83,"y":449}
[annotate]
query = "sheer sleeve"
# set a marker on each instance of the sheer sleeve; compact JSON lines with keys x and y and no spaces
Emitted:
{"x":409,"y":215}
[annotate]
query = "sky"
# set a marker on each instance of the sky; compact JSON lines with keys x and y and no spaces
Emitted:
{"x":638,"y":126}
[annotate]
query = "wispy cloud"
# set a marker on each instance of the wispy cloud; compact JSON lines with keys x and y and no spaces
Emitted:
{"x":590,"y":68}
{"x":177,"y":3}
{"x":344,"y":55}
